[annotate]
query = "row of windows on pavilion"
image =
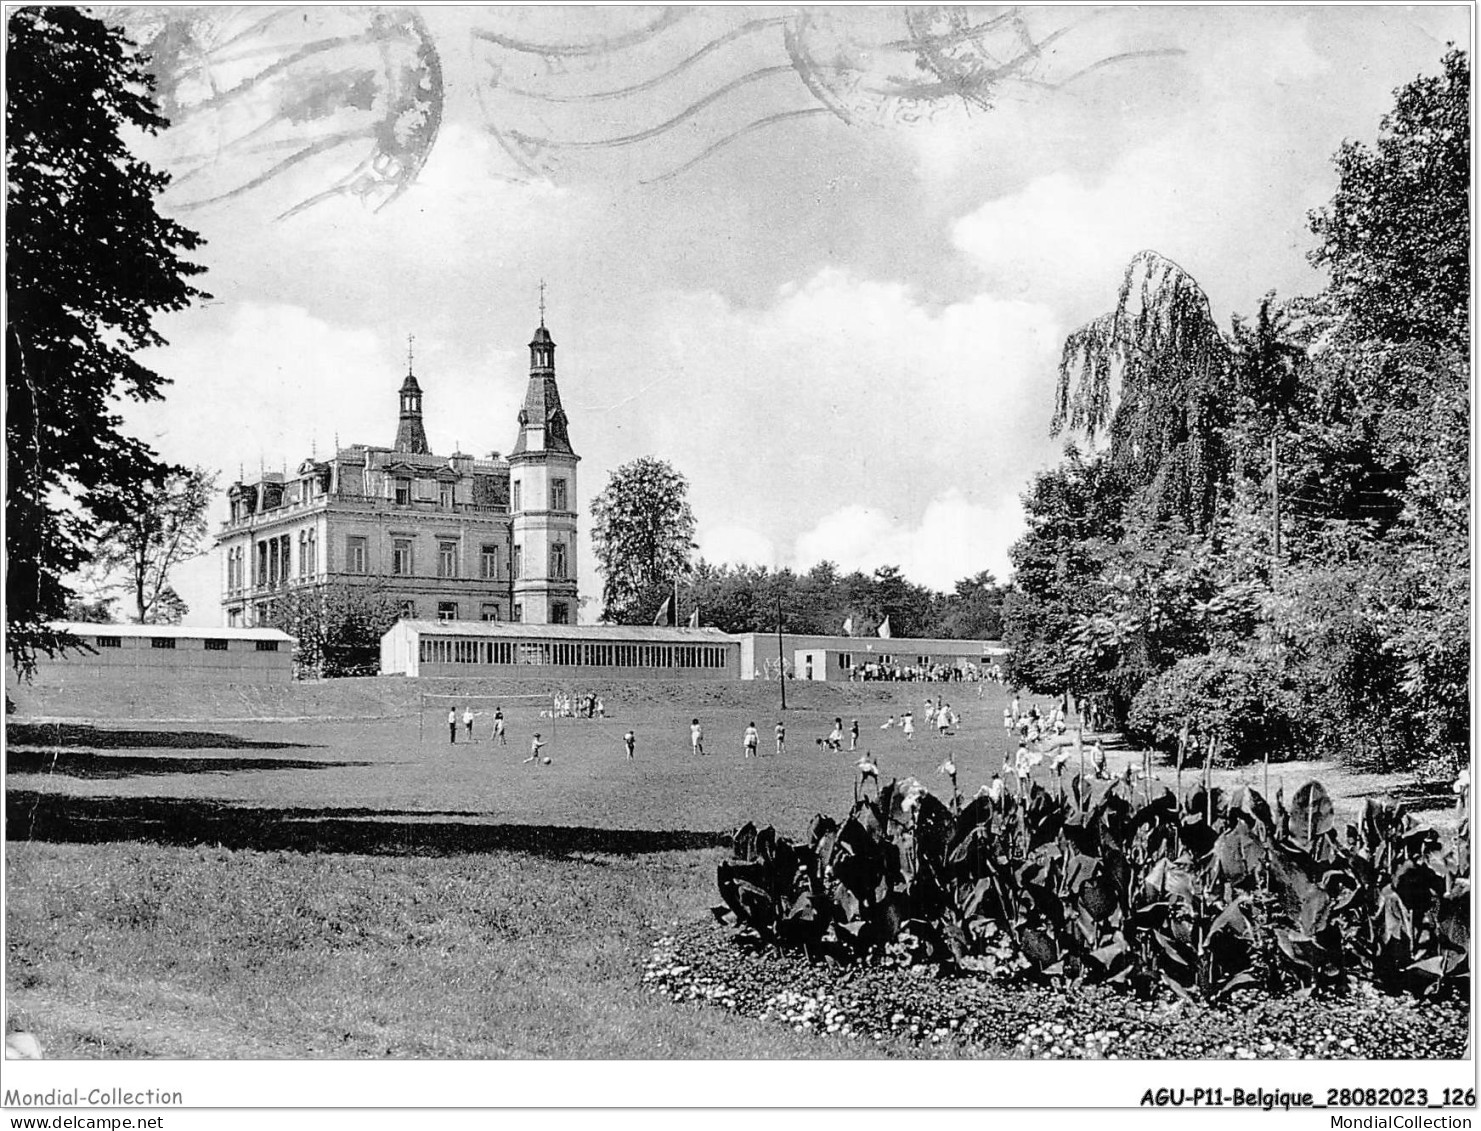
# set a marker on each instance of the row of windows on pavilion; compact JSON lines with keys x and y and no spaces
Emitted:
{"x":273,"y":559}
{"x":445,"y":650}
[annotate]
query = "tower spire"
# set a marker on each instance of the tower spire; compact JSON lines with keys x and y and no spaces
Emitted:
{"x":411,"y":436}
{"x":542,"y":302}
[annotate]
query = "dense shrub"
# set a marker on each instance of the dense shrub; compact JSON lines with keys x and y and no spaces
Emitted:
{"x":1237,"y":698}
{"x":1202,"y":895}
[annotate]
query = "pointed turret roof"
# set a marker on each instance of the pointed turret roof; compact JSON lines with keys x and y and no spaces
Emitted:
{"x":542,"y":420}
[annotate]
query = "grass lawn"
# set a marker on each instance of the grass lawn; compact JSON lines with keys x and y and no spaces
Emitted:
{"x":365,"y":889}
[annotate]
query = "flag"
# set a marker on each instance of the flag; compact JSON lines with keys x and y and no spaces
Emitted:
{"x":694,"y":618}
{"x":666,"y":613}
{"x":884,"y":628}
{"x":848,"y":627}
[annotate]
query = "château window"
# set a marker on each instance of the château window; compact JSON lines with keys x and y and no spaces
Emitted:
{"x":489,"y":613}
{"x":518,"y":614}
{"x":447,"y":610}
{"x":557,"y":494}
{"x":401,"y":556}
{"x":488,"y":562}
{"x":517,"y":494}
{"x":355,"y":555}
{"x":408,"y":610}
{"x":110,"y":642}
{"x":560,"y":612}
{"x":403,"y":491}
{"x":445,"y":496}
{"x":162,"y":641}
{"x":215,"y":645}
{"x":267,"y":645}
{"x":558,"y":560}
{"x":447,"y":559}
{"x":519,"y":563}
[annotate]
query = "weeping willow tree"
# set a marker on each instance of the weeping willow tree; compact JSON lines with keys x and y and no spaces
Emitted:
{"x":1153,"y":380}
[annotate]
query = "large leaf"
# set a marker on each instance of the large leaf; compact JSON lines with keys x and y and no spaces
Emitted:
{"x":822,"y":826}
{"x":1418,"y":887}
{"x":1453,"y":919}
{"x":1078,"y":868}
{"x":850,"y":908}
{"x":802,"y":924}
{"x":933,"y":827}
{"x":978,"y":814}
{"x":1112,"y":956}
{"x":743,"y":842}
{"x":1234,"y":920}
{"x":766,"y":844}
{"x":972,"y":858}
{"x":1311,"y":816}
{"x":1238,"y":853}
{"x":1296,"y":947}
{"x":1196,"y":834}
{"x":1100,"y":897}
{"x":1314,"y":911}
{"x":749,"y":900}
{"x":1038,"y":946}
{"x":1240,"y":979}
{"x":1248,"y":805}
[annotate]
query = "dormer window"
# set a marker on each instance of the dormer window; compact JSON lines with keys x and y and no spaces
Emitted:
{"x":403,"y":491}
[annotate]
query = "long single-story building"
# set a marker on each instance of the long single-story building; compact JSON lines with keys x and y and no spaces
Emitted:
{"x":121,"y":653}
{"x":557,"y":651}
{"x":833,"y":658}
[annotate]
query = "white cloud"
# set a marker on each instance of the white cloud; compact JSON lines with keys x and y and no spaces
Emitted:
{"x":266,"y":385}
{"x":953,"y":538}
{"x":843,"y":394}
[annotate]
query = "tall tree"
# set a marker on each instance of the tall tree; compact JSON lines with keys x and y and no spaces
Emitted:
{"x":642,"y":536}
{"x":1166,"y":426}
{"x":1396,"y":236}
{"x":163,"y":526}
{"x":89,"y":263}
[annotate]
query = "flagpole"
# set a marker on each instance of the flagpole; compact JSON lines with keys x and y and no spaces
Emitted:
{"x":781,"y":658}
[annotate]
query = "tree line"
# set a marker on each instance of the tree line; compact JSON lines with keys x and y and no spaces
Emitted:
{"x":1263,"y":541}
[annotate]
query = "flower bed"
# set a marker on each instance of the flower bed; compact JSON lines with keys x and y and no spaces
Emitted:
{"x":912,"y":1010}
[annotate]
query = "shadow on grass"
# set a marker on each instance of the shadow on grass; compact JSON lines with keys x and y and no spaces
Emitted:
{"x":1417,"y":797}
{"x":87,"y":764}
{"x":79,"y":736}
{"x":177,"y":821}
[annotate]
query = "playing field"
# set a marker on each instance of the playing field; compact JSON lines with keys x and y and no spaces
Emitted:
{"x":363,"y":887}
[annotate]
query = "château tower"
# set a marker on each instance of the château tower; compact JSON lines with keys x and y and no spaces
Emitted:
{"x":543,"y":497}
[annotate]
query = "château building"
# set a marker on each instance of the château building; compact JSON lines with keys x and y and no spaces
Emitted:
{"x":451,"y":537}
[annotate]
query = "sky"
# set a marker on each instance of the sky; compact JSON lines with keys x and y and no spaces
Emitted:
{"x":823,"y":261}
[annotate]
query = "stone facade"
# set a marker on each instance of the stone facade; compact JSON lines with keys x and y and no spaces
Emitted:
{"x":451,"y":537}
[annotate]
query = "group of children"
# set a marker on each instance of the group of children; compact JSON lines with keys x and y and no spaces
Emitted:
{"x":938,"y":714}
{"x":587,"y":705}
{"x":1031,"y":726}
{"x":469,"y":714}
